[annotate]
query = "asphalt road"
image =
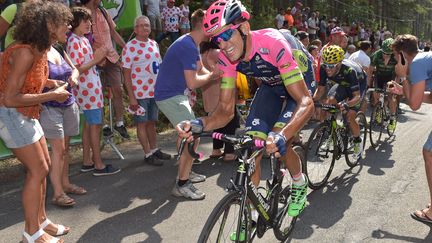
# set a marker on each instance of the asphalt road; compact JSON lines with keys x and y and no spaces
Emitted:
{"x":370,"y":203}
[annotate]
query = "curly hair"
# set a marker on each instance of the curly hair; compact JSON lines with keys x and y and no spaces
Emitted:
{"x":80,"y":14}
{"x":33,"y":19}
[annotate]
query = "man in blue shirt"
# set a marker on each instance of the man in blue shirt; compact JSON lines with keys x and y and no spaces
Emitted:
{"x":416,"y":87}
{"x":181,"y":68}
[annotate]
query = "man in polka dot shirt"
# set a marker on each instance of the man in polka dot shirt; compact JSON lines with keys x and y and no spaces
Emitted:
{"x":140,"y":61}
{"x":171,"y":16}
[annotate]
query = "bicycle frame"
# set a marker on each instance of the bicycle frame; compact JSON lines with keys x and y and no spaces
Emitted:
{"x":267,"y":206}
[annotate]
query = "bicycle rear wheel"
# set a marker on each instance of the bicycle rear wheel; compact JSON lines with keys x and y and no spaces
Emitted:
{"x":349,"y":143}
{"x":285,"y":223}
{"x":320,"y":158}
{"x":224,"y":220}
{"x":376,"y":125}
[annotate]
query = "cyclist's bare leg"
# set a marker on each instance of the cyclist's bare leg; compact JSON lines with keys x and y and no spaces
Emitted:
{"x":375,"y":98}
{"x":354,"y":126}
{"x":291,"y":158}
{"x":392,"y":103}
{"x":256,"y":176}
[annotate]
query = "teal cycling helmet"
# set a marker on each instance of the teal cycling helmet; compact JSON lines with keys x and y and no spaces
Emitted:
{"x":387,"y":46}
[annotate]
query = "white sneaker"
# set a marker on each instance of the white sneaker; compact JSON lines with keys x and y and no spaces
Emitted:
{"x":196,"y":178}
{"x":188,"y":191}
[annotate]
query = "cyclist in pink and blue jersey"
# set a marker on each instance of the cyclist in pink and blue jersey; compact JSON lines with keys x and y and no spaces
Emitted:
{"x":265,"y":55}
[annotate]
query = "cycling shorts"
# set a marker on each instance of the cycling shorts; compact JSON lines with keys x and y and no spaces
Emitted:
{"x":271,"y":107}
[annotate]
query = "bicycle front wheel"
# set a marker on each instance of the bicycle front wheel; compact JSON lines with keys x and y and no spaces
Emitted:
{"x":223,"y":222}
{"x":376,"y":125}
{"x":320,"y":156}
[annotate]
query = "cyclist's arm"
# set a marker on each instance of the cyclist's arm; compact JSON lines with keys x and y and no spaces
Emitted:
{"x":224,"y":111}
{"x":305,"y":107}
{"x":355,"y":99}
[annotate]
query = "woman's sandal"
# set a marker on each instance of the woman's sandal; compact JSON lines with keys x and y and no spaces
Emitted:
{"x":74,"y":189}
{"x":33,"y":238}
{"x":63,"y":201}
{"x":61,"y":229}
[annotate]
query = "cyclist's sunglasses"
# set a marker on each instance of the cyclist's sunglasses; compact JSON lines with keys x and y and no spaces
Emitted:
{"x":224,"y":36}
{"x":330,"y":66}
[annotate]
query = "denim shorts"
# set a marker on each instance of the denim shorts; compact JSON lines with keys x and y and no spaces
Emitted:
{"x":58,"y":122}
{"x":93,"y":117}
{"x":176,"y":109}
{"x":428,"y":145}
{"x":17,"y":130}
{"x":151,"y":110}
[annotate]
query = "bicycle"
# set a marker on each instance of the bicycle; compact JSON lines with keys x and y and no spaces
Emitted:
{"x":327,"y":143}
{"x":379,"y":118}
{"x":234,"y":211}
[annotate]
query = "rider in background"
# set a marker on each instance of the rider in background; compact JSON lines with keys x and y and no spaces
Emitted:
{"x":383,"y":63}
{"x":348,"y":85}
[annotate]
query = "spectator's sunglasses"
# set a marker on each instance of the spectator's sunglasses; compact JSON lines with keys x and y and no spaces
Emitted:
{"x":330,"y":66}
{"x":225,"y":36}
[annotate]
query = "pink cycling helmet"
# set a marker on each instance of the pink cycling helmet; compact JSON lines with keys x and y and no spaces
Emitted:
{"x":222,"y":13}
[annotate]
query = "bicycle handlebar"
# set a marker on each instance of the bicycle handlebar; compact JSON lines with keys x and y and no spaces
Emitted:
{"x":245,"y":141}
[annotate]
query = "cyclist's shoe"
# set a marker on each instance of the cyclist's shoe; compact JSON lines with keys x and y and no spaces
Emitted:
{"x":122,"y":131}
{"x":233,"y":235}
{"x":242,"y":238}
{"x":357,"y":150}
{"x":188,"y":191}
{"x":196,"y":178}
{"x":161,"y":155}
{"x":378,"y":118}
{"x":298,"y":199}
{"x":392,"y":125}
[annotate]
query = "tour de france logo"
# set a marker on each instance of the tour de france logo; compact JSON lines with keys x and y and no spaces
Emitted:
{"x":114,"y":7}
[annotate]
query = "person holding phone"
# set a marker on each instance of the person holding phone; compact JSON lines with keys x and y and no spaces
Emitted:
{"x":415,"y":84}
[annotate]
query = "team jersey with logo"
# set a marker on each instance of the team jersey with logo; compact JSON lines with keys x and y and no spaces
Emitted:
{"x":143,"y":59}
{"x":88,"y":92}
{"x":350,"y":76}
{"x":383,"y":72}
{"x":270,"y":61}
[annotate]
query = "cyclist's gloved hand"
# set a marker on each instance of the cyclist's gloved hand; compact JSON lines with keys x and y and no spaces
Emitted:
{"x":196,"y":125}
{"x":280,"y":141}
